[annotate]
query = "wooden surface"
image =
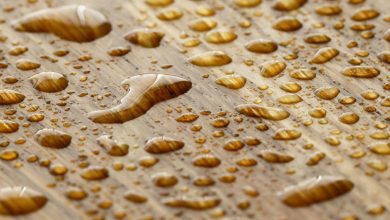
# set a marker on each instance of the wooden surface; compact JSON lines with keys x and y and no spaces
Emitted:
{"x":105,"y":73}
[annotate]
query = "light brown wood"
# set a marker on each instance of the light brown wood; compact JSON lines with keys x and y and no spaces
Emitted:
{"x":95,"y":84}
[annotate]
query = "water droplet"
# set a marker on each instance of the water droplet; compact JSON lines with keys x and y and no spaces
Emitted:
{"x":275,"y":157}
{"x":377,"y":165}
{"x":328,"y":10}
{"x":112,"y":147}
{"x":144,"y":91}
{"x":75,"y":193}
{"x":220,"y":36}
{"x":361,"y":71}
{"x":287,"y":24}
{"x":349,"y":118}
{"x":210,"y":59}
{"x":315,"y":190}
{"x":27,"y":64}
{"x":247,"y":3}
{"x":188,"y":117}
{"x":317,"y":39}
{"x":95,"y":173}
{"x":315,"y":158}
{"x":303,"y":74}
{"x":145,"y":37}
{"x":18,"y":50}
{"x":169,"y":14}
{"x":135,"y":197}
{"x":365,"y":14}
{"x":291,"y":87}
{"x":118,"y":51}
{"x":49,"y":82}
{"x":327,"y":93}
{"x":205,"y":202}
{"x":290,"y":99}
{"x":164,"y":179}
{"x":288,"y":5}
{"x":253,"y":110}
{"x":202,"y":24}
{"x":231,"y":81}
{"x":384,"y":56}
{"x":286,"y":134}
{"x":163,"y":144}
{"x":261,"y":46}
{"x":159,"y":3}
{"x":272,"y":68}
{"x":324,"y":55}
{"x":20,"y":200}
{"x":380,"y":148}
{"x":52,"y":138}
{"x":206,"y":161}
{"x":317,"y":113}
{"x":233,"y":145}
{"x":7,"y":126}
{"x":74,"y":23}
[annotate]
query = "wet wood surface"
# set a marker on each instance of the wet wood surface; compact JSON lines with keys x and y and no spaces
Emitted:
{"x":95,"y":79}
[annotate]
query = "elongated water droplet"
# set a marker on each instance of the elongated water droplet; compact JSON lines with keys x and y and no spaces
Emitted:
{"x":220,"y":36}
{"x":202,"y":24}
{"x":272,"y":68}
{"x":288,"y":5}
{"x":169,"y":14}
{"x":144,"y":91}
{"x":324,"y":55}
{"x":206,"y":160}
{"x":380,"y":148}
{"x":328,"y":10}
{"x":317,"y":38}
{"x":365,"y":14}
{"x":327,"y":93}
{"x":361,"y":71}
{"x":303,"y":74}
{"x":202,"y":203}
{"x":95,"y":173}
{"x":315,"y":190}
{"x":27,"y":64}
{"x":74,"y":23}
{"x":210,"y":58}
{"x":10,"y":97}
{"x":231,"y":81}
{"x":163,"y":144}
{"x":7,"y":126}
{"x":261,"y":46}
{"x":286,"y":134}
{"x":258,"y":111}
{"x":275,"y":157}
{"x":247,"y":3}
{"x":20,"y":200}
{"x":287,"y":24}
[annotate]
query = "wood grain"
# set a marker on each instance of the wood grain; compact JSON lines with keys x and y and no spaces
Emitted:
{"x":100,"y":79}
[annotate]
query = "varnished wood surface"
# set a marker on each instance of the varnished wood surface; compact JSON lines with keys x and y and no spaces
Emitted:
{"x":105,"y":73}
